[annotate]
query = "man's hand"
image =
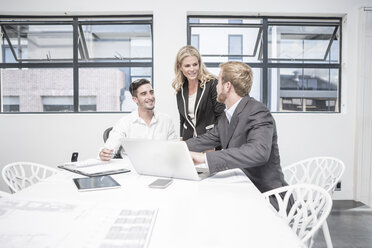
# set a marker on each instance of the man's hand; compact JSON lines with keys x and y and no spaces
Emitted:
{"x":106,"y":154}
{"x":198,"y":157}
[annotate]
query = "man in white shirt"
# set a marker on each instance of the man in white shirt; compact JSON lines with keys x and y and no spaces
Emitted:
{"x":141,"y":124}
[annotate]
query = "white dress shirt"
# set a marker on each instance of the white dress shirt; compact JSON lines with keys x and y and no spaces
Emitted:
{"x":229,"y":112}
{"x":134,"y":127}
{"x":191,"y":110}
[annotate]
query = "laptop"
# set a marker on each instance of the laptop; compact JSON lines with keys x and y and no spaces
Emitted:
{"x":162,"y":158}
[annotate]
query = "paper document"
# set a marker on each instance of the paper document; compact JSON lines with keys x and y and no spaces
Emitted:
{"x":96,"y":167}
{"x":35,"y":224}
{"x":229,"y":176}
{"x":88,"y":162}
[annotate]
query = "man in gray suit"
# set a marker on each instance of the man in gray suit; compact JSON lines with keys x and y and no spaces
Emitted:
{"x":246,"y":132}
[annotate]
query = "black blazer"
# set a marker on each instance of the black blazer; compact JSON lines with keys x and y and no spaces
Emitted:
{"x":207,"y":109}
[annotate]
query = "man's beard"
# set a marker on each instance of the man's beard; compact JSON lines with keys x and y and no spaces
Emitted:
{"x":221,"y":97}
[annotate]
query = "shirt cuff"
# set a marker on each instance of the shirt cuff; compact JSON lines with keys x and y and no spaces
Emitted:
{"x":100,"y":149}
{"x":205,"y":165}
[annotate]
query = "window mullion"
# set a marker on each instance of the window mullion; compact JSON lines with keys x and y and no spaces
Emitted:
{"x":75,"y":59}
{"x":265,"y":81}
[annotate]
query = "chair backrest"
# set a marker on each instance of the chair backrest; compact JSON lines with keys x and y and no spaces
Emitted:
{"x":106,"y":134}
{"x":312,"y":205}
{"x":322,"y":171}
{"x":20,"y":175}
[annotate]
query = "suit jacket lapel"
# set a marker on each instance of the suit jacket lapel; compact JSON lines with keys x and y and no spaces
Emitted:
{"x":224,"y":131}
{"x":235,"y":118}
{"x":185,"y":93}
{"x":198,"y":93}
{"x":198,"y":96}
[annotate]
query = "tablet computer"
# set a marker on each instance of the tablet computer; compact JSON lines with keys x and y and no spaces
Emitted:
{"x":95,"y":183}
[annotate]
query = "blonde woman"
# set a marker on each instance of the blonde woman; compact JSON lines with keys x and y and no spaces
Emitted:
{"x":196,"y":94}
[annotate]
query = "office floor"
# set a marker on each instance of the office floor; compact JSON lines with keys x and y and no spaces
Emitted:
{"x":350,"y":225}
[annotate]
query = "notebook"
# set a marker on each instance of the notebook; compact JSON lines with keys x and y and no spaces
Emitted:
{"x":162,"y":158}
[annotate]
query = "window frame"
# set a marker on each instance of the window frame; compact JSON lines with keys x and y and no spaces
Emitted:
{"x":76,"y":63}
{"x":263,"y":49}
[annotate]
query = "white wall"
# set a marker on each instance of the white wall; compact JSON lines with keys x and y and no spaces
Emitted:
{"x":363,"y":173}
{"x":50,"y":139}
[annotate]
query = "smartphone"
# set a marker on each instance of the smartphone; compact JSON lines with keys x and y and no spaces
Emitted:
{"x":74,"y":157}
{"x":160,"y":183}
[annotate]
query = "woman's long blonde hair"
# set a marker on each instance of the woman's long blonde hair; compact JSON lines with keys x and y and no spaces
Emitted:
{"x":204,"y":75}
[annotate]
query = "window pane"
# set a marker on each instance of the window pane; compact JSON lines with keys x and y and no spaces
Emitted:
{"x":65,"y":103}
{"x":303,"y":44}
{"x":235,"y":21}
{"x":41,"y":43}
{"x":230,"y":20}
{"x":304,"y":90}
{"x":32,"y":86}
{"x":57,"y":103}
{"x":118,"y":19}
{"x":214,"y":42}
{"x":256,"y":90}
{"x":11,"y":103}
{"x":88,"y":103}
{"x":117,"y":42}
{"x":194,"y":20}
{"x":235,"y":47}
{"x":195,"y":41}
{"x":107,"y":89}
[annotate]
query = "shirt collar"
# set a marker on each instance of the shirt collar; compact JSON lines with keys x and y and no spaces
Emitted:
{"x":229,"y":112}
{"x":138,"y":119}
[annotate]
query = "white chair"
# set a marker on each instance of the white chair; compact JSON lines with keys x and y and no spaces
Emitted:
{"x":20,"y":175}
{"x":322,"y":171}
{"x":312,"y":205}
{"x":3,"y":194}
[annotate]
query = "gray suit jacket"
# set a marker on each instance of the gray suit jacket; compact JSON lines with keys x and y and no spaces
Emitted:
{"x":249,"y":142}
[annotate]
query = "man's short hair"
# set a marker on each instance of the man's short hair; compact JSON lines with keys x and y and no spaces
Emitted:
{"x":136,"y":84}
{"x":239,"y":75}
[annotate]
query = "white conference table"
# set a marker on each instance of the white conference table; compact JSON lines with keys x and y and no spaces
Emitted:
{"x":225,"y":210}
